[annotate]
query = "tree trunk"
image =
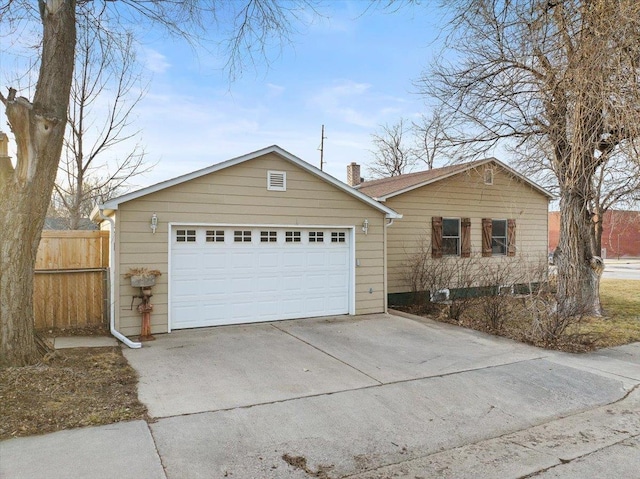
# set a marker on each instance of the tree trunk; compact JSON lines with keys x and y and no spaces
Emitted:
{"x":597,"y":232}
{"x":579,"y":270}
{"x":25,"y":191}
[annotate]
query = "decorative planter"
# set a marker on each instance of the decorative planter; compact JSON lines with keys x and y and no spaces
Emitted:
{"x":142,"y":281}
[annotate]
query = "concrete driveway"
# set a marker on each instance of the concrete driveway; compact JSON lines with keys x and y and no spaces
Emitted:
{"x":339,"y":396}
{"x":379,"y":396}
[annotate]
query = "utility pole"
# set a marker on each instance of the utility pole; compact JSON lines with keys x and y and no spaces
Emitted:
{"x":322,"y":138}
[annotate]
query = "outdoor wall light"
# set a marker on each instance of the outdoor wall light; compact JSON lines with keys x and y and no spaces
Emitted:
{"x":365,"y":226}
{"x":154,"y":222}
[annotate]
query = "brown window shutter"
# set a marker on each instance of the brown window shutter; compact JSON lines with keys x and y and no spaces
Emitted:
{"x":486,"y":237}
{"x":465,"y":249}
{"x":436,"y":237}
{"x":511,"y":237}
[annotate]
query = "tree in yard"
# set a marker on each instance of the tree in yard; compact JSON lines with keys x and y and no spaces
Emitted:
{"x":616,"y":184}
{"x":431,"y":135}
{"x":400,"y":146}
{"x":105,"y":72}
{"x":38,"y":125}
{"x":558,"y":77}
{"x":392,"y":156}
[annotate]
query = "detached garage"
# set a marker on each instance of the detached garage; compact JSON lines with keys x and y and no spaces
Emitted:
{"x":262,"y":237}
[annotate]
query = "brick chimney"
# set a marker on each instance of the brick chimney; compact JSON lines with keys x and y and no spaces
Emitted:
{"x":353,"y":174}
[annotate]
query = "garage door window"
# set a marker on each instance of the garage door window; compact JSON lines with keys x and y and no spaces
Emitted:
{"x":316,"y":237}
{"x":242,"y":236}
{"x":338,"y":237}
{"x":214,"y":236}
{"x":292,"y":236}
{"x":268,"y":236}
{"x":186,"y":236}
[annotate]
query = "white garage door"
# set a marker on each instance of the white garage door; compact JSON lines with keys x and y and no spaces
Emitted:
{"x":238,"y":274}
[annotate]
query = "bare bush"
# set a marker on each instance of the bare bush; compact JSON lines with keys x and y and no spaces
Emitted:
{"x":497,"y":281}
{"x":550,"y":324}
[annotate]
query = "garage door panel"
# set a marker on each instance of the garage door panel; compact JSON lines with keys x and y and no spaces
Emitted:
{"x":215,"y":283}
{"x":242,"y":285}
{"x":294,"y":259}
{"x":242,"y":260}
{"x":269,"y":260}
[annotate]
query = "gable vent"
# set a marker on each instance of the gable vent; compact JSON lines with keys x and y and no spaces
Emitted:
{"x":277,"y":180}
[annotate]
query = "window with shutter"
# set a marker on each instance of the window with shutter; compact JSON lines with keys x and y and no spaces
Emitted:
{"x":511,"y":237}
{"x":436,"y":237}
{"x":465,"y":248}
{"x":486,"y":236}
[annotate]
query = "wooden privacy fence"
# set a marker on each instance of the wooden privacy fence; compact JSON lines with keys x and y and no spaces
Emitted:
{"x":71,"y":280}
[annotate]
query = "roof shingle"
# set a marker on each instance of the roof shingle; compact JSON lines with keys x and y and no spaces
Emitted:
{"x":394,"y":184}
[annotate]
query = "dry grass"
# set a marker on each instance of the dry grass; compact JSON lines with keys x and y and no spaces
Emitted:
{"x":620,"y":325}
{"x":621,"y":303}
{"x":73,"y":388}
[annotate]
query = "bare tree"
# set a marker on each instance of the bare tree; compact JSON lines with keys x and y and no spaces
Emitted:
{"x":392,"y":156}
{"x":557,"y":77}
{"x":105,"y":73}
{"x":616,"y":183}
{"x":431,"y":138}
{"x":39,"y":124}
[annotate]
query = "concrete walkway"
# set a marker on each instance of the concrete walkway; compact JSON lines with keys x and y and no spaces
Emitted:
{"x":368,"y":397}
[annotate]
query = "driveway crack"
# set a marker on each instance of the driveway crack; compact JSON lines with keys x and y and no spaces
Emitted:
{"x":328,"y":354}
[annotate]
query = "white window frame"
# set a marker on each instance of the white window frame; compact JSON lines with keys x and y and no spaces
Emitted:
{"x":505,"y":246}
{"x":458,"y":237}
{"x":488,"y":176}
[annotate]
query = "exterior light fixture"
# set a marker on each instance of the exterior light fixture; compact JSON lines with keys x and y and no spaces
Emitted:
{"x":365,"y":226}
{"x":154,"y":222}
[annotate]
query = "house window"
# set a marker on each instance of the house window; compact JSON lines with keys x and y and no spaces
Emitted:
{"x":338,"y":237}
{"x":450,"y":236}
{"x":268,"y":236}
{"x":276,"y":180}
{"x":186,"y":236}
{"x":242,"y":236}
{"x":292,"y":236}
{"x":316,"y":237}
{"x":488,"y":176}
{"x":214,"y":236}
{"x":498,"y":236}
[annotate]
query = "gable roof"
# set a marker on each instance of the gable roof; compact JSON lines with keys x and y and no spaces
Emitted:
{"x":113,"y":204}
{"x":385,"y":188}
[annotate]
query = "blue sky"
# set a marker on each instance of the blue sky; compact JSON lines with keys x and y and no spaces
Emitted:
{"x":351,"y":71}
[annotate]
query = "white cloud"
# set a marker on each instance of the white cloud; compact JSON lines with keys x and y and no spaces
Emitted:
{"x":274,"y":91}
{"x":156,"y":61}
{"x":357,"y":104}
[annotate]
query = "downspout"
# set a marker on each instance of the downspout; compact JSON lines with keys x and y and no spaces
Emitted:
{"x":112,"y":300}
{"x":386,"y":283}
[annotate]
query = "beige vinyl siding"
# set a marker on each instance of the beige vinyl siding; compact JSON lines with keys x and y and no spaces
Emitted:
{"x":239,"y":195}
{"x":466,"y":196}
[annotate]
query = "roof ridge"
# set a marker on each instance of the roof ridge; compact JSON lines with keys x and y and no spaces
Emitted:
{"x":432,"y":171}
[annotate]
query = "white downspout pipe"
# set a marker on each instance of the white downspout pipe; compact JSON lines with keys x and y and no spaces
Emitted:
{"x":112,"y":296}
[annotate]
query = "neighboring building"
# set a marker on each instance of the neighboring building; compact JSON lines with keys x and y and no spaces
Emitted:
{"x":261,"y":237}
{"x":620,"y":233}
{"x":482,"y":210}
